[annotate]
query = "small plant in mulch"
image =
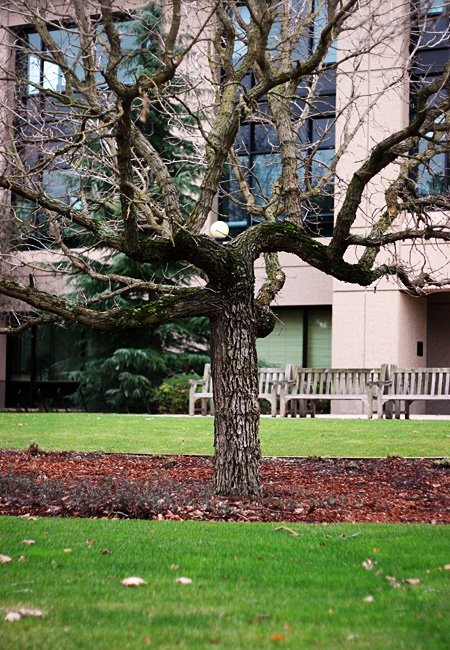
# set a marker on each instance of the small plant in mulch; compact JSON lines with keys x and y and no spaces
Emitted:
{"x":33,"y":448}
{"x":442,"y":463}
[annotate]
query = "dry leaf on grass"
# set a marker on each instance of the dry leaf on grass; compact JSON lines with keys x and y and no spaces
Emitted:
{"x":67,"y":550}
{"x":184,"y":581}
{"x":277,"y":637}
{"x":4,"y":559}
{"x":21,"y":558}
{"x":412,"y":581}
{"x":447,"y":567}
{"x":133,"y":581}
{"x":17,"y":614}
{"x":106,"y":551}
{"x":369,"y":599}
{"x":28,"y":542}
{"x":368,"y":564}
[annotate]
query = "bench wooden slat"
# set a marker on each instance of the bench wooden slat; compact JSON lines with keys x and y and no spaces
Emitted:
{"x":309,"y":385}
{"x":410,"y":385}
{"x":268,"y":385}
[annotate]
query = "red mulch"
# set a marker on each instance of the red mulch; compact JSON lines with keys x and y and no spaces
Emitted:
{"x":69,"y":484}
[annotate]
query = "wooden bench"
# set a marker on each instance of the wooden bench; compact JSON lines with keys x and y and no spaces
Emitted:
{"x":202,"y":389}
{"x":304,"y":387}
{"x":408,"y":385}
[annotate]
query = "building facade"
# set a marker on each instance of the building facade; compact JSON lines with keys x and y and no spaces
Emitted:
{"x":322,"y":322}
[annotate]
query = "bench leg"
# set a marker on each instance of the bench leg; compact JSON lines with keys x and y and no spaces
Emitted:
{"x":273,"y":405}
{"x":407,"y":409}
{"x":398,"y":409}
{"x":389,"y":408}
{"x":282,"y":404}
{"x":204,"y":406}
{"x":379,"y":405}
{"x":370,"y":403}
{"x":191,"y":402}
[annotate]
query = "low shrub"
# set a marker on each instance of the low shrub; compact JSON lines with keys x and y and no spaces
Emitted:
{"x":172,"y":396}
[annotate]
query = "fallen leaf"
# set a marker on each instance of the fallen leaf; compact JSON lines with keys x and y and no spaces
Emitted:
{"x":184,"y":581}
{"x":17,"y":614}
{"x":368,"y":564}
{"x":147,"y":640}
{"x":67,"y":550}
{"x":28,"y":542}
{"x":4,"y":559}
{"x":376,"y":550}
{"x":263,"y":616}
{"x":21,"y":558}
{"x":369,"y":599}
{"x":106,"y":551}
{"x":134,"y":581}
{"x":331,"y":611}
{"x":277,"y":637}
{"x":446,"y":567}
{"x":412,"y":581}
{"x":288,"y":530}
{"x":90,"y":542}
{"x":390,"y":578}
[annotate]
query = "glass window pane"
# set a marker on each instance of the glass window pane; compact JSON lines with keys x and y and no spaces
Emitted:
{"x":285,"y":344}
{"x":319,"y":337}
{"x":34,"y":73}
{"x":431,"y":179}
{"x":264,"y":138}
{"x":20,"y":356}
{"x":231,"y":192}
{"x":53,"y":78}
{"x":266,"y":171}
{"x":319,"y":24}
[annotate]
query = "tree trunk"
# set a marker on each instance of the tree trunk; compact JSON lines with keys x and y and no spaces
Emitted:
{"x":235,"y":385}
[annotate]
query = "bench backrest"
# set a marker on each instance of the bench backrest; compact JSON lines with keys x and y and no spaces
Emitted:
{"x":420,"y":381}
{"x":331,"y":381}
{"x":266,"y":378}
{"x":208,"y":387}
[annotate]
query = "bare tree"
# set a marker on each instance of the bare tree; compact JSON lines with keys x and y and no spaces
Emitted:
{"x":86,"y":180}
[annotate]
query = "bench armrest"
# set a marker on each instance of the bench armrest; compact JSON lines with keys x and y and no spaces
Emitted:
{"x":197,"y":382}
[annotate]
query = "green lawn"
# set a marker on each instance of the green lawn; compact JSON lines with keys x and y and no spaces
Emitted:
{"x":287,"y":437}
{"x":252,"y":587}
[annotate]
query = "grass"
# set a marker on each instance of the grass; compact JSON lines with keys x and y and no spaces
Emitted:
{"x":253,"y":587}
{"x":174,"y":435}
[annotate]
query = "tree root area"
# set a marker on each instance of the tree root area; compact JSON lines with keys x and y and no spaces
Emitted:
{"x":69,"y":484}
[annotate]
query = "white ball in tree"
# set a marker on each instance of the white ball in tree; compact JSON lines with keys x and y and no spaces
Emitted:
{"x":219,"y":230}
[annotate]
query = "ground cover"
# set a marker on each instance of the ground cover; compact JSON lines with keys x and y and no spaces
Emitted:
{"x":337,"y":586}
{"x":179,"y":487}
{"x":175,"y":435}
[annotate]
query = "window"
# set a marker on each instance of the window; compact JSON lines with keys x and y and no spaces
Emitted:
{"x":301,"y":335}
{"x":44,"y":125}
{"x":257,"y":148}
{"x":433,"y":51}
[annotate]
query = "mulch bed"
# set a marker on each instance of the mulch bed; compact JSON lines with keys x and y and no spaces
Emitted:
{"x":69,"y":484}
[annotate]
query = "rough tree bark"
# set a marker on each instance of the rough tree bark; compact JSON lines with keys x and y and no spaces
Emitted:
{"x":235,"y":382}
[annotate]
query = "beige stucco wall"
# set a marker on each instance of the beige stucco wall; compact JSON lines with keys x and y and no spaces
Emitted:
{"x":304,"y":285}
